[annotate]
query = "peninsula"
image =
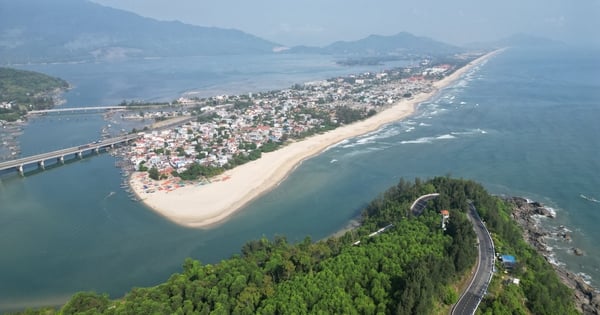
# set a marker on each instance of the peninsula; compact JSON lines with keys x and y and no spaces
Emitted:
{"x":21,"y":91}
{"x":202,"y":205}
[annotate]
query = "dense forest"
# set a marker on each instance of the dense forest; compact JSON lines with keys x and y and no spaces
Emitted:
{"x":26,"y":90}
{"x":413,"y":267}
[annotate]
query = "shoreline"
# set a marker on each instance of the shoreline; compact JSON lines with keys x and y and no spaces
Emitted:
{"x":586,"y":296}
{"x":203,"y":206}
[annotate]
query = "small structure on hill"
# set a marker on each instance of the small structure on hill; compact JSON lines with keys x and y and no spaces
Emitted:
{"x":508,"y":261}
{"x":445,"y":216}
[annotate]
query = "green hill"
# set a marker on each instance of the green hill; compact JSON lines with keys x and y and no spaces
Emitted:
{"x":21,"y":91}
{"x":401,"y":44}
{"x":414,"y":267}
{"x":67,"y":30}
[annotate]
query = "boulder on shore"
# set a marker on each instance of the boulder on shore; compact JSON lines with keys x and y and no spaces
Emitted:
{"x":587,"y":298}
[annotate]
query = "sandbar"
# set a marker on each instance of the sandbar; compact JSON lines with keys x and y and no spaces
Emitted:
{"x":202,"y":206}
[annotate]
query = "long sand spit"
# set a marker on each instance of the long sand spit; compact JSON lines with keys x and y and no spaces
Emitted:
{"x":206,"y":205}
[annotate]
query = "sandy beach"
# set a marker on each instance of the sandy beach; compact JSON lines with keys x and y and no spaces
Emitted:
{"x":196,"y":205}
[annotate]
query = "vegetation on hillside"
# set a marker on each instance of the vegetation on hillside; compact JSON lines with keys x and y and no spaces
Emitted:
{"x":411,"y":268}
{"x":21,"y":91}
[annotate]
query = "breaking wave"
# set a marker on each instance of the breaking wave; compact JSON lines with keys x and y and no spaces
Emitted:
{"x":592,"y":199}
{"x":372,"y":137}
{"x":469,"y":132}
{"x":429,"y":139}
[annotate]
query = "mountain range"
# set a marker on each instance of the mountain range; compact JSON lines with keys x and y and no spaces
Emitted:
{"x":36,"y":31}
{"x":67,"y":30}
{"x":402,"y":43}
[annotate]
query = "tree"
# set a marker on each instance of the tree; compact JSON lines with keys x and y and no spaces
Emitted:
{"x":83,"y":302}
{"x":153,"y":173}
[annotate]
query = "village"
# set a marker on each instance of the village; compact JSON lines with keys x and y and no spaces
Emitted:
{"x":232,"y":130}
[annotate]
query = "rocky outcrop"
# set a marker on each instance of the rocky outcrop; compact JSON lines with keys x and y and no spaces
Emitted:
{"x":526,"y":213}
{"x":577,"y":251}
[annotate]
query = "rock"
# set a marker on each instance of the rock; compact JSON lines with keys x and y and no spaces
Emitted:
{"x":586,"y":298}
{"x":595,"y":301}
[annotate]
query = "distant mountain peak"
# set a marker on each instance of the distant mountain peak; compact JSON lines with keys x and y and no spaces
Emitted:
{"x":400,"y":43}
{"x":66,"y":30}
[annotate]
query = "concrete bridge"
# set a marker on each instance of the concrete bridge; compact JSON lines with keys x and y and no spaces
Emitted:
{"x":76,"y":109}
{"x":60,"y":155}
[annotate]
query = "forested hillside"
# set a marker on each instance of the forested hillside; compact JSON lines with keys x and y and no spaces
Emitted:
{"x":411,"y":268}
{"x":21,"y":91}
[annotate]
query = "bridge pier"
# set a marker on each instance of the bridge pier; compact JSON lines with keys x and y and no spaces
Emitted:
{"x":77,"y":151}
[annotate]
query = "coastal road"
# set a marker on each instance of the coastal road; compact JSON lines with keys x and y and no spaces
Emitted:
{"x":419,"y":205}
{"x":472,"y":296}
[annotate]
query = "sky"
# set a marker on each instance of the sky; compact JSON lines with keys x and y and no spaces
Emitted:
{"x":321,"y":22}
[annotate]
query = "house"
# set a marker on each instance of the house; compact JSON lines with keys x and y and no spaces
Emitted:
{"x":508,"y":261}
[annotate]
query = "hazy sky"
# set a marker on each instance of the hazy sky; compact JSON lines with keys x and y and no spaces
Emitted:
{"x":320,"y":22}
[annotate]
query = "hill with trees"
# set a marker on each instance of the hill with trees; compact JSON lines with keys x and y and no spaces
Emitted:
{"x":43,"y":31}
{"x":414,"y":267}
{"x":402,"y":44}
{"x":21,"y":91}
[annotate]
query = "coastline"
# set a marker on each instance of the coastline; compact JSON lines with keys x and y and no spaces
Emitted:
{"x":586,"y":297}
{"x":202,"y":206}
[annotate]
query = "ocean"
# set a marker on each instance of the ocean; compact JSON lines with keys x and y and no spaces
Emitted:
{"x":524,"y":123}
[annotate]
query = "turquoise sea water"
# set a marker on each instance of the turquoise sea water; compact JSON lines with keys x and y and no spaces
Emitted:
{"x":524,"y":123}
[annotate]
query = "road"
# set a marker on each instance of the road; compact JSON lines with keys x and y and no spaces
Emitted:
{"x":472,"y":296}
{"x":419,"y":205}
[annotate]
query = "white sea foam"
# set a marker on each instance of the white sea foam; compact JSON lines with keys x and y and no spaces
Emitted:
{"x":463,"y":83}
{"x":565,"y":229}
{"x":552,"y":260}
{"x":592,"y":199}
{"x":339,"y":144}
{"x":429,"y":139}
{"x":375,"y":136}
{"x":364,"y":151}
{"x":586,"y":278}
{"x":446,"y":136}
{"x":469,"y":132}
{"x":424,"y":125}
{"x":420,"y":140}
{"x":551,"y":210}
